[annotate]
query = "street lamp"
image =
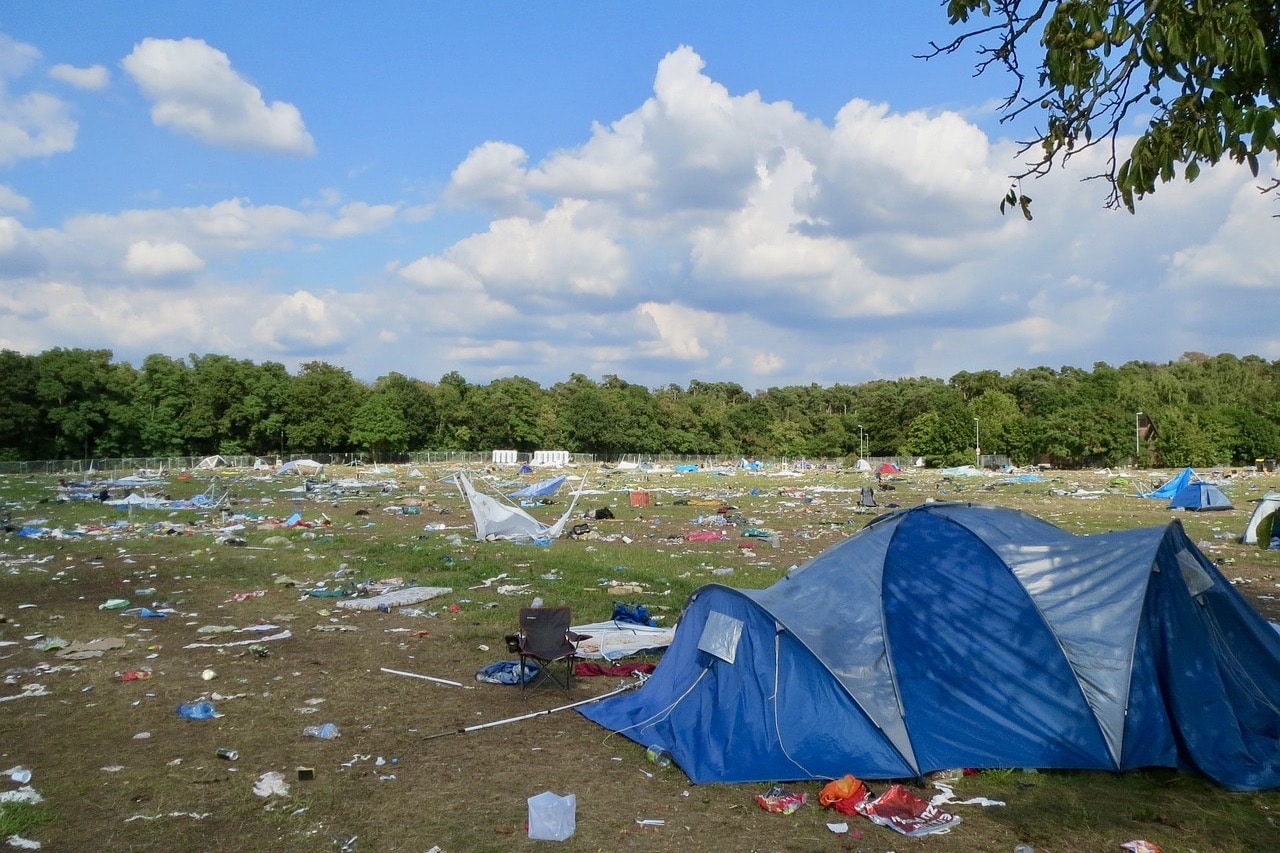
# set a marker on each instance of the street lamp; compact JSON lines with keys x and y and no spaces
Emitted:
{"x":1137,"y":438}
{"x":861,"y":439}
{"x":977,"y":444}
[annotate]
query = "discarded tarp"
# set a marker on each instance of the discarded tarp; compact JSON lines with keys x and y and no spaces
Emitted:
{"x":613,"y":640}
{"x":1173,"y":486}
{"x":395,"y":598}
{"x":496,"y":520}
{"x":542,"y":489}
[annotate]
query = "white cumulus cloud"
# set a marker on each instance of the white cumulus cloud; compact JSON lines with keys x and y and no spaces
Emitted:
{"x":93,"y":78}
{"x":194,"y":90}
{"x":161,"y":259}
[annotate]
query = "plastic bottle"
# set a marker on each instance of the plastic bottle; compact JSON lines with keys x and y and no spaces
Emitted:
{"x":1024,"y":848}
{"x":658,"y":755}
{"x":326,"y":732}
{"x":537,"y":602}
{"x":197,"y":711}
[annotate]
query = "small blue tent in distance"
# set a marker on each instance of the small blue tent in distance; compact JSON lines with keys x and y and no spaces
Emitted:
{"x":1200,"y":497}
{"x":955,"y":635}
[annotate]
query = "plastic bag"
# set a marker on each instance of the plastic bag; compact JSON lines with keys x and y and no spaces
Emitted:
{"x":552,"y":817}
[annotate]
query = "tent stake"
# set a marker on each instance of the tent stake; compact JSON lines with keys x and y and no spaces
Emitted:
{"x":529,"y":716}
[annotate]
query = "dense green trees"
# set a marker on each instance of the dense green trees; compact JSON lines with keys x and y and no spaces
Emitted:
{"x":1206,"y":410}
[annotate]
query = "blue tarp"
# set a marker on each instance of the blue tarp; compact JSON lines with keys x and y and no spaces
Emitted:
{"x":1172,"y":487}
{"x":956,"y":635}
{"x":541,"y":489}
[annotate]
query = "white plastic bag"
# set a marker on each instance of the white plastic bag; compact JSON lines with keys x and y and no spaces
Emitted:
{"x":551,"y":817}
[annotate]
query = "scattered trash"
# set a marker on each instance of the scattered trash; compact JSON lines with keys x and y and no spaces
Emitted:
{"x":306,"y":774}
{"x":18,"y":774}
{"x":903,"y":811}
{"x":192,"y":815}
{"x":948,"y":796}
{"x":328,"y":731}
{"x":203,"y":710}
{"x":658,"y":755}
{"x":229,"y":754}
{"x":114,"y":604}
{"x":271,"y":783}
{"x":843,"y":794}
{"x":21,"y":843}
{"x":26,"y":794}
{"x":1140,"y":846}
{"x":651,"y":821}
{"x":552,"y":817}
{"x":780,"y":802}
{"x":91,"y":649}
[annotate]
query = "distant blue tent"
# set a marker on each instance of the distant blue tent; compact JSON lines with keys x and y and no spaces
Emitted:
{"x":955,"y":635}
{"x":541,"y":489}
{"x":1200,"y":497}
{"x":1172,"y":487}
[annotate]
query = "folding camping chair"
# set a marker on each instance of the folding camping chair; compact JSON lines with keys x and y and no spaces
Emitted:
{"x":545,"y":639}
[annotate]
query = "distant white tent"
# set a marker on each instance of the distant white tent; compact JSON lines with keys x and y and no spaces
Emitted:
{"x":210,"y":462}
{"x":497,"y":520}
{"x":305,"y":467}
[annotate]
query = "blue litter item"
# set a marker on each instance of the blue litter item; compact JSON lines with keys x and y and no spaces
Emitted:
{"x":958,"y":635}
{"x":508,"y":672}
{"x":197,"y":710}
{"x":632,"y":614}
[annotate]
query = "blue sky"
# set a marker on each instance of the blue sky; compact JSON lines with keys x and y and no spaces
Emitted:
{"x":764,"y":193}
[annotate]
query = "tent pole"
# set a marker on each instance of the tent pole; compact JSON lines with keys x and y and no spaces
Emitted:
{"x":530,"y":716}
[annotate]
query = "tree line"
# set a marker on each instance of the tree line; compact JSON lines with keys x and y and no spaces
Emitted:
{"x":1198,"y":410}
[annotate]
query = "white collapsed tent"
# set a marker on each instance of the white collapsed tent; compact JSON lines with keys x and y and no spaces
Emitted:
{"x":305,"y":467}
{"x":497,"y":520}
{"x":1261,"y":527}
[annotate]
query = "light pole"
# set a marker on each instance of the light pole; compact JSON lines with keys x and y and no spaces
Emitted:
{"x":1137,"y":438}
{"x":862,"y":453}
{"x":977,"y":444}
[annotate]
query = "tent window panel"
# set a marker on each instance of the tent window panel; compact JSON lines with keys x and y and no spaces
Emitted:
{"x":720,"y":636}
{"x":1193,"y":574}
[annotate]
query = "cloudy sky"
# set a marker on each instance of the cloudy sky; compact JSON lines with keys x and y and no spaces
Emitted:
{"x":766,"y":193}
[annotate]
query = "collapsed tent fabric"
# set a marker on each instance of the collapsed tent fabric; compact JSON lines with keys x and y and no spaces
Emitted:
{"x":1172,"y":486}
{"x":1200,"y":497}
{"x":955,"y":635}
{"x":1261,"y":529}
{"x":496,"y":520}
{"x":306,"y":467}
{"x":541,"y":489}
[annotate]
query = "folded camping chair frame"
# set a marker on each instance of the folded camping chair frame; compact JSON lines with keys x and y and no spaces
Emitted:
{"x":545,"y":639}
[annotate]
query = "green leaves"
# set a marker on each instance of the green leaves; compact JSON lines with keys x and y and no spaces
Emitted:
{"x":1207,"y":68}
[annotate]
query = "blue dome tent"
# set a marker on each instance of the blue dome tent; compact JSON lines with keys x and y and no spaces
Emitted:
{"x":956,"y":635}
{"x":1200,"y":497}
